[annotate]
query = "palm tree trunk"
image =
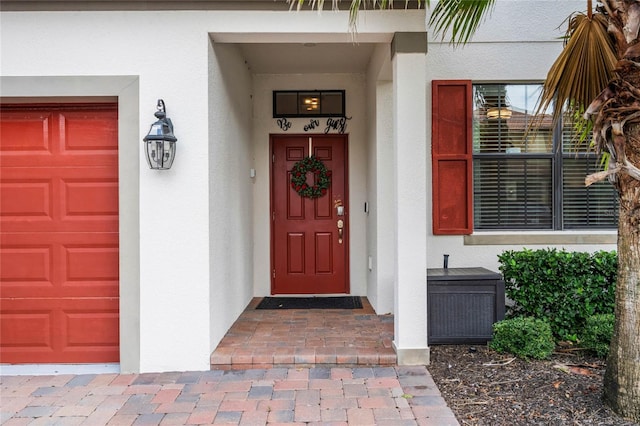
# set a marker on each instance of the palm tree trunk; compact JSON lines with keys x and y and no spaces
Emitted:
{"x":622,"y":376}
{"x":622,"y":140}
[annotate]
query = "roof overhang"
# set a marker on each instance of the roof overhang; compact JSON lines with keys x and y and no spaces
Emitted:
{"x":79,"y":5}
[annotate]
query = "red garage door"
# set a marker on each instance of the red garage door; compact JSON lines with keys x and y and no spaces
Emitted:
{"x":59,"y":234}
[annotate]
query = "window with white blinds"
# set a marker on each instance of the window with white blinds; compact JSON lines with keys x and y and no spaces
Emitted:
{"x":532,"y":180}
{"x":595,"y":206}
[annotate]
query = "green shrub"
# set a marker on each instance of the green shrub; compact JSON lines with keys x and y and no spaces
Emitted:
{"x":597,"y":334}
{"x":563,"y":288}
{"x":525,"y":337}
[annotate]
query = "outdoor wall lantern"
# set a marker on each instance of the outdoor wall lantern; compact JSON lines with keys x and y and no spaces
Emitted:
{"x":160,"y":142}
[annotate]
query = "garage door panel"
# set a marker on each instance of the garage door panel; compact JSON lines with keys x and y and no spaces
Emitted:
{"x":89,"y":270}
{"x":59,"y":330}
{"x":26,"y":264}
{"x":92,"y":328}
{"x":91,"y":263}
{"x":26,"y":329}
{"x":60,"y":138}
{"x":96,"y":199}
{"x":25,"y":133}
{"x":65,"y":266}
{"x":57,"y":200}
{"x":26,"y":199}
{"x":90,"y":131}
{"x":59,"y":240}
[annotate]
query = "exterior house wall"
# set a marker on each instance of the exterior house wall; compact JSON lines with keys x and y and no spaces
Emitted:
{"x":410,"y":158}
{"x":505,"y":50}
{"x":195,"y":240}
{"x":380,"y":218}
{"x":173,"y":210}
{"x":230,"y":153}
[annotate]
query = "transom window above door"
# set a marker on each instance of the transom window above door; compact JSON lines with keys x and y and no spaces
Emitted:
{"x":308,"y":103}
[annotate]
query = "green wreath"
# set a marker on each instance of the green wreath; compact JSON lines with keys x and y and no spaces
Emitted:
{"x":321,"y":179}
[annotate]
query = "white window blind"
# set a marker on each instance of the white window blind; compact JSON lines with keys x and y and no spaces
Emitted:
{"x":595,"y":206}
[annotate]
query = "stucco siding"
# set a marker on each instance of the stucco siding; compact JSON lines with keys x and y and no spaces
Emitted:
{"x":195,"y":240}
{"x":504,"y":50}
{"x":230,"y":153}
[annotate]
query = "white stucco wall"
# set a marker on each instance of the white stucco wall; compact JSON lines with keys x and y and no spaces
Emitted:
{"x":173,"y":208}
{"x":194,"y":239}
{"x":506,"y":48}
{"x":410,"y":156}
{"x":380,"y":219}
{"x":230,"y":152}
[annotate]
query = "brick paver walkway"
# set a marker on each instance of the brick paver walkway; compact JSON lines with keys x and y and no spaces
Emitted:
{"x":304,"y":367}
{"x":316,"y":396}
{"x":306,"y":337}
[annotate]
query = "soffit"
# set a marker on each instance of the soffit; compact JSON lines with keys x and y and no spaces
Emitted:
{"x":23,"y":5}
{"x":302,"y":58}
{"x":79,"y":5}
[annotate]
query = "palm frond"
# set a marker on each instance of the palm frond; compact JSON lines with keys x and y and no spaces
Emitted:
{"x":460,"y":17}
{"x":583,"y":68}
{"x":354,"y":7}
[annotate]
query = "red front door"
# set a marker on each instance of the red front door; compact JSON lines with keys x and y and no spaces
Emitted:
{"x":59,"y":234}
{"x":310,"y":236}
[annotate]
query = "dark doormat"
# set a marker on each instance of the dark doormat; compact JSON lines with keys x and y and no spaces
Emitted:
{"x":341,"y":302}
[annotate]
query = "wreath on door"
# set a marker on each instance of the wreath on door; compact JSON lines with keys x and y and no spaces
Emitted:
{"x":321,"y":177}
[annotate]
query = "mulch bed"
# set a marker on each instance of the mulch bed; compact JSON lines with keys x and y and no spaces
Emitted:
{"x":483,"y":387}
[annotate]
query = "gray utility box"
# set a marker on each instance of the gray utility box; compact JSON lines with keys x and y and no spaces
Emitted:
{"x":463,"y":304}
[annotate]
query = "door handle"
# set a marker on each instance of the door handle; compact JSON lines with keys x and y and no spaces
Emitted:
{"x":340,"y":225}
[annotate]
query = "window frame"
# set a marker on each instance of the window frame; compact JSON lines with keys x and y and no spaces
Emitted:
{"x":556,"y":156}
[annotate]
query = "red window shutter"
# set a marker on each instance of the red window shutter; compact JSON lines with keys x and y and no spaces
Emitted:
{"x":452,"y":157}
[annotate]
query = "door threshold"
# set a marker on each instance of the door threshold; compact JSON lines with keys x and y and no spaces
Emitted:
{"x":309,"y":295}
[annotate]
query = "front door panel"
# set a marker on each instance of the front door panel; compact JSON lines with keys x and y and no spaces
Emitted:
{"x":310,"y":238}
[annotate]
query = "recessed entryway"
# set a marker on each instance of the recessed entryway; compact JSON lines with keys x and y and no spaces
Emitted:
{"x":299,"y":337}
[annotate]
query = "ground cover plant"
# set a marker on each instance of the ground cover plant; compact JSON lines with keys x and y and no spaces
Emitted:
{"x":484,"y":387}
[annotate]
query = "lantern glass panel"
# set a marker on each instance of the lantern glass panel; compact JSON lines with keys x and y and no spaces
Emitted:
{"x":160,"y":154}
{"x":169,"y":153}
{"x":156,"y":129}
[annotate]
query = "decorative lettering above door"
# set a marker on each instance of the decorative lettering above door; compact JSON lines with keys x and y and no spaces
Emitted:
{"x":330,"y":125}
